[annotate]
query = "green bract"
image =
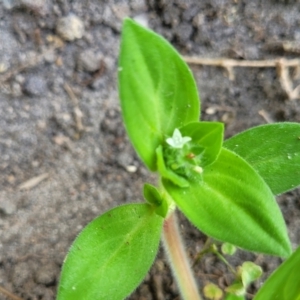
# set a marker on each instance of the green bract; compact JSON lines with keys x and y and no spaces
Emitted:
{"x":207,"y":139}
{"x":166,"y":172}
{"x":153,"y":197}
{"x":112,"y":255}
{"x":157,"y":90}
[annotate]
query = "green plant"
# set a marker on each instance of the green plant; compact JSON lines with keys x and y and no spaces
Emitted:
{"x":226,"y":189}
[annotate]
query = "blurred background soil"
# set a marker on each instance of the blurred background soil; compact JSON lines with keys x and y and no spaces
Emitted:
{"x":64,"y":154}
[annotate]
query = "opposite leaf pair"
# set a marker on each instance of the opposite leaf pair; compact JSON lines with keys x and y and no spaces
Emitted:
{"x":225,"y":189}
{"x":215,"y":188}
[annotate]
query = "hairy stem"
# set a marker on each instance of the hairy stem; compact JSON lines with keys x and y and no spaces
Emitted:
{"x":179,"y":262}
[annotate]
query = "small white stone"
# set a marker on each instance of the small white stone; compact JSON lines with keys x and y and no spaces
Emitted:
{"x":131,"y":169}
{"x":89,"y":61}
{"x":142,"y":19}
{"x":7,"y":207}
{"x":3,"y":67}
{"x":211,"y":110}
{"x":70,"y":28}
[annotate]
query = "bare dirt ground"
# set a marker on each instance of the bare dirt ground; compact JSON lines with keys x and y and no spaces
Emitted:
{"x":64,"y":154}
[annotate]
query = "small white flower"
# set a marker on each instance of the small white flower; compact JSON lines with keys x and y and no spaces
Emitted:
{"x":177,"y":140}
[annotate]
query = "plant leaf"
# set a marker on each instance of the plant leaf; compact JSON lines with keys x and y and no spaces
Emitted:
{"x":208,"y":135}
{"x":274,"y":151}
{"x":284,"y":283}
{"x":212,"y":291}
{"x":237,"y":289}
{"x":153,"y":197}
{"x":249,"y":272}
{"x":228,"y":249}
{"x":112,"y":254}
{"x":233,"y":204}
{"x":234,"y":297}
{"x":157,"y":90}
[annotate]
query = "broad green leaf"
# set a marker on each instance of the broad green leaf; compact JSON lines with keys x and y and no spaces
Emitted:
{"x":157,"y":90}
{"x":112,"y":254}
{"x":274,"y":151}
{"x":284,"y":283}
{"x":206,"y":135}
{"x":233,"y":204}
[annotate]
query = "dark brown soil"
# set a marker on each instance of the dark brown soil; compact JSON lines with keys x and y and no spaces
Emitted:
{"x":60,"y":119}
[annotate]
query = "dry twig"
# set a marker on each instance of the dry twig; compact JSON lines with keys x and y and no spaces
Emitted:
{"x":265,"y":116}
{"x":282,"y":66}
{"x":31,"y":183}
{"x":285,"y":46}
{"x":76,"y":110}
{"x":285,"y":80}
{"x":26,"y":65}
{"x":9,"y":294}
{"x":230,"y":63}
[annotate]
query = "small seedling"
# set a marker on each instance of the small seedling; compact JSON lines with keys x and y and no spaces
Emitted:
{"x":225,"y":188}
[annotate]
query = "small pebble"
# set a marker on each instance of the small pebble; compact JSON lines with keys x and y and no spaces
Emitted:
{"x":50,"y":57}
{"x":3,"y":67}
{"x":16,"y":89}
{"x":35,"y":86}
{"x":70,"y":28}
{"x":9,"y":4}
{"x":89,"y":61}
{"x":138,"y":6}
{"x":131,"y":169}
{"x":46,"y":274}
{"x":7,"y":207}
{"x":124,"y":159}
{"x":36,"y":5}
{"x":40,"y":5}
{"x":211,"y":110}
{"x":142,"y":19}
{"x":21,"y":273}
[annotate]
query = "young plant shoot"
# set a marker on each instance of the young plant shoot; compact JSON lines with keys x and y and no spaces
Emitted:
{"x":226,"y":189}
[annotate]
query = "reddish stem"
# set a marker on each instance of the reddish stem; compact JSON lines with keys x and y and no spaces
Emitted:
{"x":178,"y":259}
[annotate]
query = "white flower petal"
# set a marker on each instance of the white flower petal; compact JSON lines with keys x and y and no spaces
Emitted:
{"x":170,"y":141}
{"x":186,"y":139}
{"x":177,"y":141}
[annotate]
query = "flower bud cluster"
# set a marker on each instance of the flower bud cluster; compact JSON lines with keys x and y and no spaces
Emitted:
{"x":183,"y":157}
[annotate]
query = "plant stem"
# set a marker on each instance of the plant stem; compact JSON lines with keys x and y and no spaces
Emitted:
{"x":179,"y":262}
